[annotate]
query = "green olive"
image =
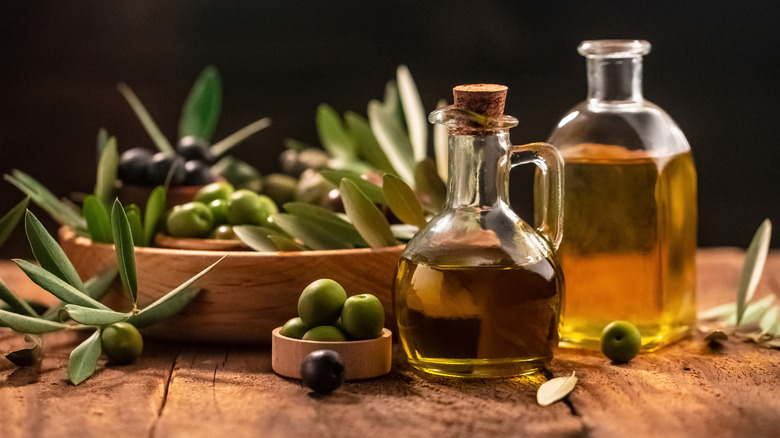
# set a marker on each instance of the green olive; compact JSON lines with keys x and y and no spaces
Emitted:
{"x":325,"y":333}
{"x":192,"y":219}
{"x":321,"y":302}
{"x":216,"y":190}
{"x":363,"y":317}
{"x":219,"y":208}
{"x":247,"y":207}
{"x":294,"y":328}
{"x":620,"y":341}
{"x":224,"y":232}
{"x":121,"y":342}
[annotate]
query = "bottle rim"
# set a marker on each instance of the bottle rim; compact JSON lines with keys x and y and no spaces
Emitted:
{"x":614,"y":48}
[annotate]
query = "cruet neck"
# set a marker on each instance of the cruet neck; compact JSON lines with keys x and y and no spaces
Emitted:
{"x":478,"y":171}
{"x":614,"y":70}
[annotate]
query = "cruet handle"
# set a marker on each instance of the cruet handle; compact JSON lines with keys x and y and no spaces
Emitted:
{"x":548,"y":191}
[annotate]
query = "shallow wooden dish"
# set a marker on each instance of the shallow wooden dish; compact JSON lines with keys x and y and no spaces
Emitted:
{"x":247,"y":295}
{"x":362,"y":359}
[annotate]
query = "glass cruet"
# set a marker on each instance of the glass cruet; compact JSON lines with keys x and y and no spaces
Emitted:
{"x":629,"y":241}
{"x":478,"y":291}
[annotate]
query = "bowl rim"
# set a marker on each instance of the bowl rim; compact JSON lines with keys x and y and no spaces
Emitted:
{"x":67,"y":234}
{"x":276,"y":333}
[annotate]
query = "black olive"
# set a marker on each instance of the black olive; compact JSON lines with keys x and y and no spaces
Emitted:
{"x":163,"y":164}
{"x":322,"y":371}
{"x":133,"y":164}
{"x":194,"y":148}
{"x":197,"y":173}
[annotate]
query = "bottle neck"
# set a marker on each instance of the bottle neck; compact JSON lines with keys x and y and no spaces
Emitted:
{"x":478,"y":170}
{"x":614,"y":80}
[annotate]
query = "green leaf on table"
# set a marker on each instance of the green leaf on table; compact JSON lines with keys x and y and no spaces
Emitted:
{"x":428,"y":182}
{"x":172,"y":302}
{"x":441,"y":145}
{"x":365,"y":216}
{"x":98,"y":220}
{"x":312,"y":234}
{"x":755,"y":258}
{"x":366,"y":143}
{"x":106,"y":172}
{"x":29,"y":324}
{"x":201,"y":109}
{"x":555,"y":389}
{"x":17,"y":305}
{"x":29,"y":355}
{"x":392,"y":103}
{"x":57,"y":209}
{"x":402,"y":201}
{"x":285,"y":243}
{"x":9,"y":221}
{"x":393,"y":140}
{"x":125,"y":251}
{"x":96,"y":288}
{"x":328,"y":220}
{"x":146,"y":120}
{"x":256,"y":237}
{"x":373,"y":191}
{"x":155,"y":210}
{"x":84,"y":358}
{"x":416,"y":120}
{"x":768,"y":322}
{"x":48,"y":252}
{"x":102,"y":141}
{"x":56,"y":286}
{"x":753,"y":311}
{"x":334,"y":138}
{"x":133,"y":214}
{"x":221,"y":147}
{"x":89,"y":316}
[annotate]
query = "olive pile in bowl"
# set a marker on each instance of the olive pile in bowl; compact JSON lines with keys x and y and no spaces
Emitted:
{"x":217,"y":207}
{"x":189,"y":166}
{"x":326,"y":314}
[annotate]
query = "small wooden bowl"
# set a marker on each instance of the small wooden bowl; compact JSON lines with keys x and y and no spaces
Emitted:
{"x":362,"y":359}
{"x":244,"y":297}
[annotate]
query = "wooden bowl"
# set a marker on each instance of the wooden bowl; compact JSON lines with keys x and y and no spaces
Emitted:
{"x":247,"y":295}
{"x":362,"y":359}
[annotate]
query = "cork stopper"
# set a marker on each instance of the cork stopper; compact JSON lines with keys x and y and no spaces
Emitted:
{"x":486,"y":99}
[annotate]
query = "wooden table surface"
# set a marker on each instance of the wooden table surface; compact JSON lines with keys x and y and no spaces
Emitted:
{"x":185,"y":390}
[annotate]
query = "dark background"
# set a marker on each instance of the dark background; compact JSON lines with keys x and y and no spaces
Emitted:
{"x":713,"y":68}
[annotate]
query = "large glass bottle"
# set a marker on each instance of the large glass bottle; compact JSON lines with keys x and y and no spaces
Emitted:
{"x":478,"y":291}
{"x":629,"y":241}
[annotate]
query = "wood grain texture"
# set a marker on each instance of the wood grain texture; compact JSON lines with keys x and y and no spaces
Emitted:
{"x":192,"y":390}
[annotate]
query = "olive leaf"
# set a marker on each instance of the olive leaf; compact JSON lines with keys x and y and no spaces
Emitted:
{"x":9,"y":221}
{"x":416,"y":120}
{"x":402,"y":202}
{"x":125,"y":251}
{"x":285,"y":243}
{"x":768,"y":322}
{"x":57,"y":287}
{"x":256,"y":237}
{"x":155,"y":210}
{"x":393,"y":140}
{"x":555,"y":389}
{"x":89,"y":316}
{"x":29,"y":324}
{"x":366,"y":143}
{"x":391,"y":103}
{"x":98,"y":220}
{"x":365,"y":216}
{"x":83,"y":359}
{"x":296,"y":145}
{"x":755,"y":258}
{"x":404,"y":231}
{"x":201,"y":109}
{"x":371,"y":190}
{"x":102,"y":140}
{"x":106,"y":172}
{"x":27,"y":356}
{"x":48,"y":252}
{"x":441,"y":145}
{"x":312,"y":234}
{"x":753,"y":311}
{"x":146,"y":120}
{"x":57,"y":209}
{"x":97,"y":287}
{"x":172,"y":302}
{"x":133,"y":214}
{"x":17,"y":305}
{"x":218,"y":149}
{"x":328,"y":220}
{"x":428,"y":182}
{"x":334,"y":138}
